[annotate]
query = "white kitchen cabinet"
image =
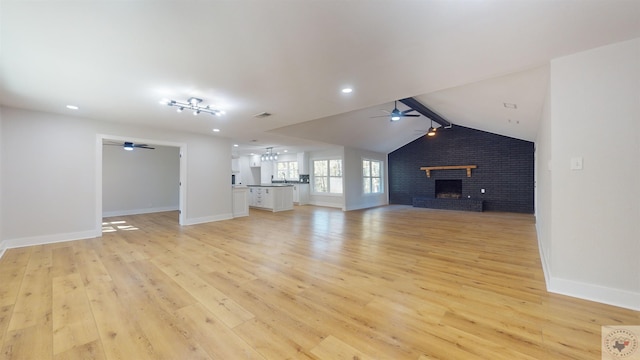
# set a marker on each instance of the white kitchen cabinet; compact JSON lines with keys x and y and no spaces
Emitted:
{"x":267,"y":198}
{"x":240,"y":201}
{"x":303,"y":194}
{"x":255,"y":161}
{"x":274,"y":198}
{"x":296,"y":195}
{"x":282,"y":198}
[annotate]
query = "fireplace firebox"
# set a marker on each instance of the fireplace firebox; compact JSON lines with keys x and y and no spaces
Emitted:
{"x":448,"y":189}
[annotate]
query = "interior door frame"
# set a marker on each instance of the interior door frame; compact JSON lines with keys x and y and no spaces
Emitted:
{"x":182,"y":202}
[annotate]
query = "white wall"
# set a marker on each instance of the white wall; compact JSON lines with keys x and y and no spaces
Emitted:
{"x":248,"y":175}
{"x":595,"y":233}
{"x":354,"y":192}
{"x":50,"y":168}
{"x":140,"y":181}
{"x":2,"y":243}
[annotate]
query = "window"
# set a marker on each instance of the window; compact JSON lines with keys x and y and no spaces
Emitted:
{"x":287,"y":170}
{"x":327,"y":176}
{"x":372,"y":176}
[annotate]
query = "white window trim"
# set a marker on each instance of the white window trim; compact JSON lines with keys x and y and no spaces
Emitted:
{"x":312,"y":177}
{"x":286,"y":178}
{"x":371,"y":177}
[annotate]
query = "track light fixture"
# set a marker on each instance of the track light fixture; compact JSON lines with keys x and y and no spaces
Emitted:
{"x":269,"y":155}
{"x":193,"y":104}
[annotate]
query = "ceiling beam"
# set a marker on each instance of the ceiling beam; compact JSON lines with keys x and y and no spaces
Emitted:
{"x":425,"y":111}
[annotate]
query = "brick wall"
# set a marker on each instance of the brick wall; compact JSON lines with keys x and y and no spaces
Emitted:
{"x":505,"y":168}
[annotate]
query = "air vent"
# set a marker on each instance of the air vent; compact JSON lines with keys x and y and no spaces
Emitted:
{"x":262,"y":115}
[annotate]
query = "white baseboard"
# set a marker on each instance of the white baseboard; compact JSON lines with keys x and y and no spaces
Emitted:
{"x":325,"y":204}
{"x":585,"y":291}
{"x":543,"y":259}
{"x":48,"y":239}
{"x":597,"y":293}
{"x":138,"y":211}
{"x":206,"y":219}
{"x":3,"y":248}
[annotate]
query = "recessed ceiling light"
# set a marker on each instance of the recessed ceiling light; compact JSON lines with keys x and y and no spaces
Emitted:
{"x":285,"y":150}
{"x":72,"y":107}
{"x":510,"y":106}
{"x":235,"y":145}
{"x":347,"y":90}
{"x":216,"y":130}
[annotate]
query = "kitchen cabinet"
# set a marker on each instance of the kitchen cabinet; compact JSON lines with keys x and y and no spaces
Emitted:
{"x":296,"y":195}
{"x":274,"y":198}
{"x":255,"y":161}
{"x":240,"y":201}
{"x":303,"y":194}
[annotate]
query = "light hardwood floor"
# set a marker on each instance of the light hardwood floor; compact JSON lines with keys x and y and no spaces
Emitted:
{"x":393,"y":282}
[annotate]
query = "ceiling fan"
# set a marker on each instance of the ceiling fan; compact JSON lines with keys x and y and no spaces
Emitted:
{"x":127,"y":145}
{"x":395,"y":114}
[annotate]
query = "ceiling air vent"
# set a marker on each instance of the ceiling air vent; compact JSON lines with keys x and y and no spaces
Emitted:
{"x":262,"y":115}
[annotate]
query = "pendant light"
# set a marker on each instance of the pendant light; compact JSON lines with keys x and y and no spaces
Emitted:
{"x":432,"y":130}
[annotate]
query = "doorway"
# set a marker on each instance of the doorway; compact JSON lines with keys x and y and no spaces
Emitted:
{"x":114,"y":176}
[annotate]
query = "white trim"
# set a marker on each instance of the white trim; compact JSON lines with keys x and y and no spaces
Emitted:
{"x":183,"y":173}
{"x":597,"y":293}
{"x":312,"y":176}
{"x":3,"y":248}
{"x":138,"y":211}
{"x":381,"y":177}
{"x":325,"y":204}
{"x":591,"y":292}
{"x":207,"y":219}
{"x":546,"y":270}
{"x":50,"y":239}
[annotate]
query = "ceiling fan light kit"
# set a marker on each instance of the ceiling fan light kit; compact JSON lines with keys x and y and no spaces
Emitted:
{"x":193,"y":104}
{"x":129,"y":146}
{"x":395,"y":114}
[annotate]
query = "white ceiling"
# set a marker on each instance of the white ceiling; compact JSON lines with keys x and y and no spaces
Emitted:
{"x":463,"y":59}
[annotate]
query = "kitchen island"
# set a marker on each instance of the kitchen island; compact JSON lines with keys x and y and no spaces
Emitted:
{"x":274,"y":197}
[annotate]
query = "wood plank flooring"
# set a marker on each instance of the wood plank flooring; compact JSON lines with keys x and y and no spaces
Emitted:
{"x":392,"y":282}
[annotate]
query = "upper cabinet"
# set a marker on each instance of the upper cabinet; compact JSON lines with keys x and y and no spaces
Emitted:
{"x":235,"y":166}
{"x":303,"y":163}
{"x":254,"y":161}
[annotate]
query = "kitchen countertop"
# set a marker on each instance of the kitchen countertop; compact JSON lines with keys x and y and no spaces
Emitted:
{"x":271,"y":185}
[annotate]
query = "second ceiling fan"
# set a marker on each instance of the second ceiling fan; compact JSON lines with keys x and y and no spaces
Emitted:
{"x":395,"y":114}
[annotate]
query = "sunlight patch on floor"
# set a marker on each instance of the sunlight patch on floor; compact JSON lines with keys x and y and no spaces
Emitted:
{"x":120,"y":225}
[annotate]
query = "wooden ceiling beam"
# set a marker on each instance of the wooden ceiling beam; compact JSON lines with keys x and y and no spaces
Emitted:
{"x":425,"y":111}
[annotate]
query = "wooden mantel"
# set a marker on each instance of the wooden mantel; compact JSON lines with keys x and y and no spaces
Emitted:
{"x":429,"y":168}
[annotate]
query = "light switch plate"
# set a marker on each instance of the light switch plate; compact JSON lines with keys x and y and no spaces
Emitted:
{"x":576,"y":163}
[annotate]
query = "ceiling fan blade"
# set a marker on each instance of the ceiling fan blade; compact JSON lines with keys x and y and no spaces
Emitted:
{"x":139,"y":145}
{"x":145,"y":147}
{"x":380,"y":116}
{"x":410,"y":115}
{"x":408,"y":111}
{"x":385,"y":111}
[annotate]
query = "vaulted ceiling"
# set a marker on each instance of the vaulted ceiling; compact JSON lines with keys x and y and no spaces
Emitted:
{"x":463,"y":59}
